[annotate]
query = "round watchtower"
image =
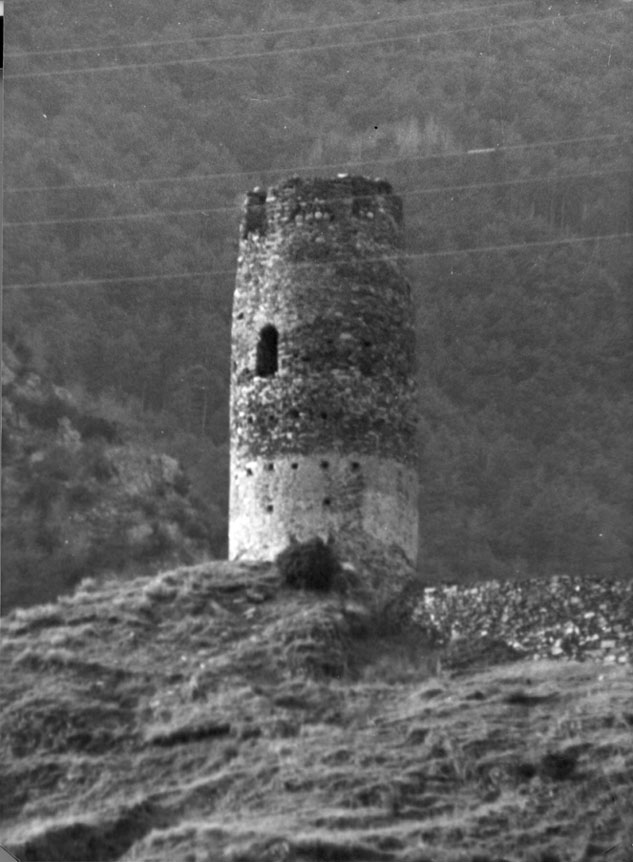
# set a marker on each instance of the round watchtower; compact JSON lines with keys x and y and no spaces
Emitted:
{"x":323,"y":374}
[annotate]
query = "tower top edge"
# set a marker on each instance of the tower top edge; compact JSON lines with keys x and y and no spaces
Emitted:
{"x":324,"y":188}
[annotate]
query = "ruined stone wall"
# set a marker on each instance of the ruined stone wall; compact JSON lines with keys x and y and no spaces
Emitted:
{"x":323,"y":382}
{"x":562,"y":616}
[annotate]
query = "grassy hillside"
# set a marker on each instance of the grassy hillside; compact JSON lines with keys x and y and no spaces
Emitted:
{"x":209,"y":713}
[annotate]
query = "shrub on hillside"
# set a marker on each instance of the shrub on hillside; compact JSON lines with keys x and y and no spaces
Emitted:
{"x":34,"y":575}
{"x":95,"y":461}
{"x":82,"y":495}
{"x":22,"y":351}
{"x":311,"y":565}
{"x":55,"y":463}
{"x":44,"y":414}
{"x":182,"y":484}
{"x":191,"y":521}
{"x":44,"y":481}
{"x":8,"y":446}
{"x":157,"y":544}
{"x":91,"y":427}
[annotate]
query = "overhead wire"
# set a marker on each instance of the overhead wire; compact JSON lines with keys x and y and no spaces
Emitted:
{"x":345,"y":25}
{"x":300,"y":49}
{"x":294,"y":169}
{"x":394,"y":257}
{"x":233,"y":208}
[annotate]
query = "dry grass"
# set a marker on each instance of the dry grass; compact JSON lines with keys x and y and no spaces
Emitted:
{"x":208,"y":714}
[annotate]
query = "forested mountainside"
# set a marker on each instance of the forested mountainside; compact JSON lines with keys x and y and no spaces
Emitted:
{"x":132,"y":131}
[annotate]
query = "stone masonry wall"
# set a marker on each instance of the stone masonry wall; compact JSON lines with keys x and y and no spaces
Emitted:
{"x":318,"y":268}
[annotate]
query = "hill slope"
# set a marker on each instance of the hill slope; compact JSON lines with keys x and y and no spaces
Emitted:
{"x":208,"y":713}
{"x":81,"y":495}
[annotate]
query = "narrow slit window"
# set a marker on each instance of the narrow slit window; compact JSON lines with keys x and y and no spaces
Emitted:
{"x":267,"y":351}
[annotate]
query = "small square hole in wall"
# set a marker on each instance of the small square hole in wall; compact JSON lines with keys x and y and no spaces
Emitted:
{"x":249,"y":472}
{"x":270,"y":466}
{"x":327,"y":502}
{"x":294,"y":465}
{"x":269,"y":507}
{"x":240,"y":316}
{"x":323,"y":415}
{"x":355,"y":466}
{"x":325,"y":465}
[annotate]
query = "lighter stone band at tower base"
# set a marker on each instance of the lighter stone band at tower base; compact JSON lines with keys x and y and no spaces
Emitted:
{"x":344,"y":495}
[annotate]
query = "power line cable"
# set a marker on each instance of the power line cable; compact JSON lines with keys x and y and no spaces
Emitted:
{"x":266,"y":33}
{"x":294,"y":169}
{"x":395,"y":257}
{"x":299,"y":50}
{"x":411,"y":193}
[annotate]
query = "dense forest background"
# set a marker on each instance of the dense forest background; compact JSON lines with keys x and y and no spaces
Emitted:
{"x":133,"y":129}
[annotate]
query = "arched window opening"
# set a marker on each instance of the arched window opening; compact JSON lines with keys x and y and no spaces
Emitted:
{"x":267,"y":351}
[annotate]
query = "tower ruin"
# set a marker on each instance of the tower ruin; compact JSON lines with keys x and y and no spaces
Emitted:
{"x":323,"y":371}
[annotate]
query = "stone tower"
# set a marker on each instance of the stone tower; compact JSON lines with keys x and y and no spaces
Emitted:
{"x":323,"y":373}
